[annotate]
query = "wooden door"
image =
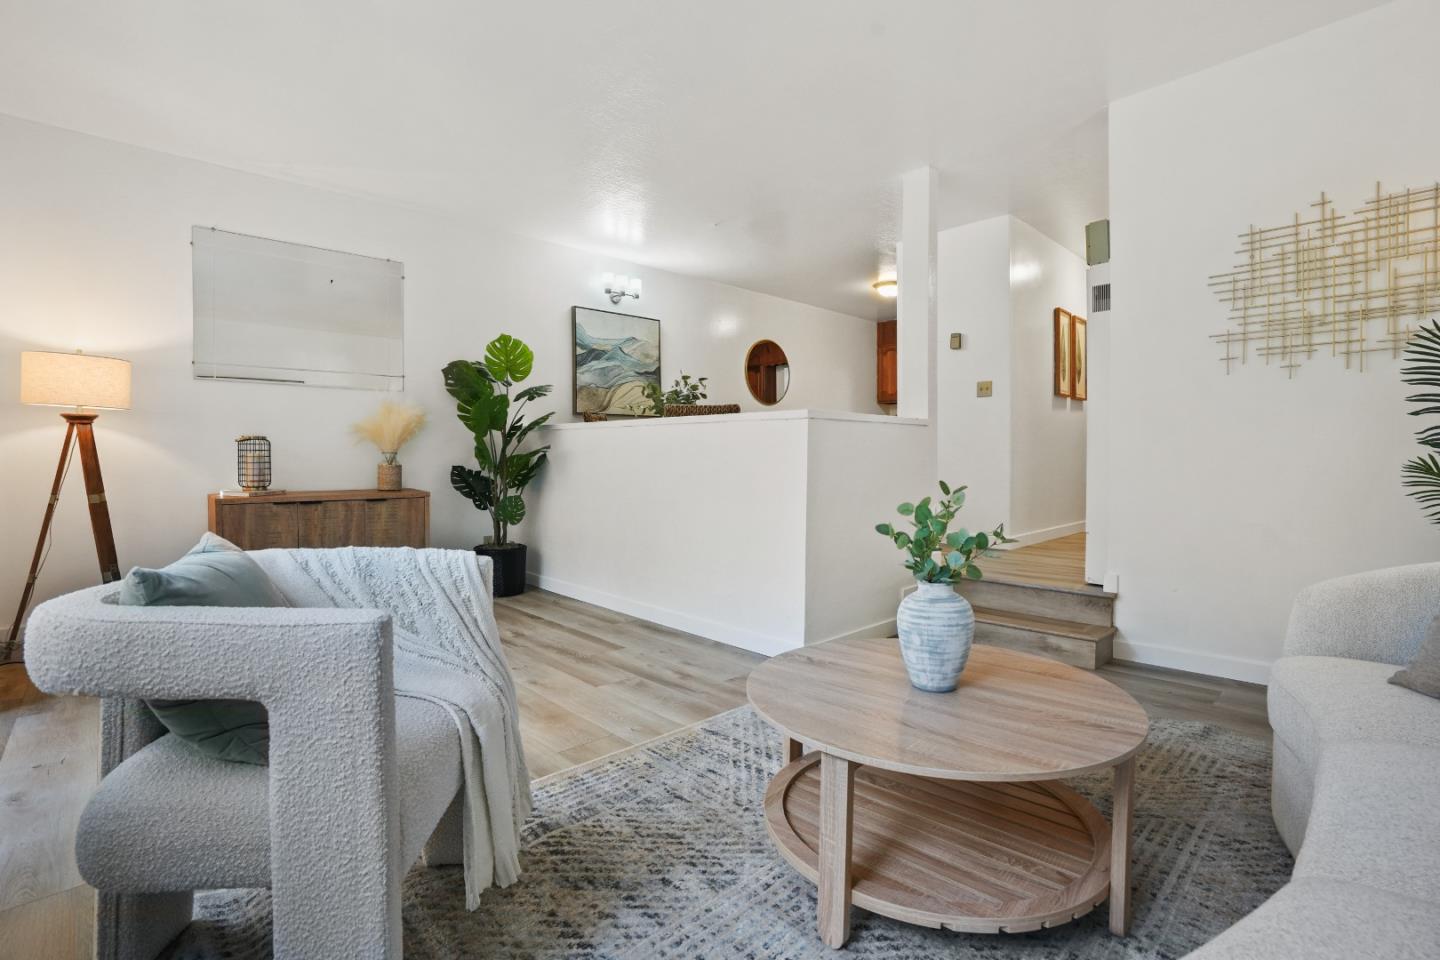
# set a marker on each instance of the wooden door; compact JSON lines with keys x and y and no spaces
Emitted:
{"x":886,"y":376}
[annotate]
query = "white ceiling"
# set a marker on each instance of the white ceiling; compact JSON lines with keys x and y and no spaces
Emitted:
{"x":757,"y":142}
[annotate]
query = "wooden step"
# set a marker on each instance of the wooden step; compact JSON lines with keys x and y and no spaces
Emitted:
{"x":1080,"y":604}
{"x":1085,"y":645}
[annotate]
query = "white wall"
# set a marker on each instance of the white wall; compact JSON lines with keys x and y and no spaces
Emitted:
{"x":973,"y":433}
{"x":1048,"y":452}
{"x":94,"y":254}
{"x":757,"y":530}
{"x":1021,"y":450}
{"x":697,"y":523}
{"x":1229,"y":493}
{"x":859,"y":471}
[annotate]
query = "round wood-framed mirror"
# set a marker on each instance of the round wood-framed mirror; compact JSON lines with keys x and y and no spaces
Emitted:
{"x":767,"y":372}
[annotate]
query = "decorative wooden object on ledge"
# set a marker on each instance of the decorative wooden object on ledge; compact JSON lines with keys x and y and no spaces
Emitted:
{"x":699,"y":409}
{"x":324,"y":518}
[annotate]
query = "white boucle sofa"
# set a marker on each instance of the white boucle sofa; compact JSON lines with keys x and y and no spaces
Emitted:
{"x":1356,"y":782}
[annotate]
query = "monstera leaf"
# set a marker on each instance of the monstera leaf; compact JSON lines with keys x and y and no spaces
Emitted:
{"x":508,"y":359}
{"x":472,"y":484}
{"x":511,"y":509}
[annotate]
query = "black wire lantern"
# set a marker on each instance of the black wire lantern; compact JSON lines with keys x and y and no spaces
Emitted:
{"x":252,"y":462}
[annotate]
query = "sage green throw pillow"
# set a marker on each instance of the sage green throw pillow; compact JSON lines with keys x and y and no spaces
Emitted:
{"x":1423,"y":674}
{"x":216,"y":573}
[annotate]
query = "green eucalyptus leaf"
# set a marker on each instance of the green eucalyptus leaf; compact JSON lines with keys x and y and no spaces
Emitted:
{"x":885,"y":529}
{"x":945,"y":488}
{"x":905,"y":509}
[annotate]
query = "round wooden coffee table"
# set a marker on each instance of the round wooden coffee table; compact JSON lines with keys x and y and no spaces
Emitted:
{"x":946,"y":809}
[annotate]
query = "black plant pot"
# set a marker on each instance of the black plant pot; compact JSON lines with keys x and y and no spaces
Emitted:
{"x":509,"y":569}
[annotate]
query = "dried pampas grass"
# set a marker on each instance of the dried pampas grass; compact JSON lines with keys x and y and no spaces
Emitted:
{"x":390,"y":427}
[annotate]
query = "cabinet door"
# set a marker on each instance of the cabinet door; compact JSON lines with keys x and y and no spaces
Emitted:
{"x":257,"y":526}
{"x":885,"y":362}
{"x":333,"y":523}
{"x":401,"y":522}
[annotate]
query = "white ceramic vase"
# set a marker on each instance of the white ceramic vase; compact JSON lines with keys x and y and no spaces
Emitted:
{"x":937,"y":628}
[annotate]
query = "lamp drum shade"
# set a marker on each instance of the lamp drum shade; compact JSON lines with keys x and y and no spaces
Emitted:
{"x":74,"y":380}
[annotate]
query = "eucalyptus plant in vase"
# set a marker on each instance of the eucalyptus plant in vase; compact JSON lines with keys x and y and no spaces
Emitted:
{"x":936,"y":624}
{"x":491,"y":409}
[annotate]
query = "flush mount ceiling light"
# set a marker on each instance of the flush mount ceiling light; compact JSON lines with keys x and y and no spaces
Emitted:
{"x":886,"y":288}
{"x":618,"y":288}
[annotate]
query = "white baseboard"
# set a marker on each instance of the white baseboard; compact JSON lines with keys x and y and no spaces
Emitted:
{"x":1032,"y":537}
{"x":1209,"y":664}
{"x":885,"y":628}
{"x":709,"y":629}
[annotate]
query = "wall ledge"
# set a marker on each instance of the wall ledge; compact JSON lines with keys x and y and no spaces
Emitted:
{"x":739,"y":418}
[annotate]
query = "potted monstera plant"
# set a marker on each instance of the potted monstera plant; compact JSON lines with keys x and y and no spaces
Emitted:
{"x":935,"y":624}
{"x":490,"y":407}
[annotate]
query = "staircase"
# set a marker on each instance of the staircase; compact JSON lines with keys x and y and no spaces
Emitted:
{"x":1074,"y":624}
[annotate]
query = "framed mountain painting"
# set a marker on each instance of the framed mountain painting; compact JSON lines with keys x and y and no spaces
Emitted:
{"x":616,"y":356}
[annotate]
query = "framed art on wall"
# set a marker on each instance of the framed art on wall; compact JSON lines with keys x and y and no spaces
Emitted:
{"x":1079,"y":362}
{"x":616,"y":356}
{"x":1064,"y":379}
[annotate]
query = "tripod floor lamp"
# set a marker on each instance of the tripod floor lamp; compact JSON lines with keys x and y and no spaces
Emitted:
{"x":86,"y":383}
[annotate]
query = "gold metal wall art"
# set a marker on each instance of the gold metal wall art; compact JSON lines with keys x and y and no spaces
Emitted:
{"x":1344,"y":285}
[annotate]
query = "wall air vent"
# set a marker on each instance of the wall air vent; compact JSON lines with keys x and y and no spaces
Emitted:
{"x":1100,"y":298}
{"x":1097,"y":282}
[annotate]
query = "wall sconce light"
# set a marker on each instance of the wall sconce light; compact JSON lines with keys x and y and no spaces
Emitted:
{"x":886,"y":288}
{"x":618,"y":288}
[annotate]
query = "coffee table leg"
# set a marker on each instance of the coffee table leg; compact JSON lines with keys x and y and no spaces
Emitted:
{"x":837,"y":817}
{"x":1120,"y":830}
{"x":793,"y":748}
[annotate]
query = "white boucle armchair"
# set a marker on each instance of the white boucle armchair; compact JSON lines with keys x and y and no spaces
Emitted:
{"x":358,"y":781}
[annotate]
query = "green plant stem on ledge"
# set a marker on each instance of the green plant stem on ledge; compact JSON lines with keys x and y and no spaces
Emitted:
{"x":935,"y":555}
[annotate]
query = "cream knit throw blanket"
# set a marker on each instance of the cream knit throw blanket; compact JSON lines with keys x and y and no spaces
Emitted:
{"x":447,"y":651}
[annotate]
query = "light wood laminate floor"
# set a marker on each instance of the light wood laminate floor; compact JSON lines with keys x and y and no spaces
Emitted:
{"x":1053,"y":563}
{"x":590,"y":682}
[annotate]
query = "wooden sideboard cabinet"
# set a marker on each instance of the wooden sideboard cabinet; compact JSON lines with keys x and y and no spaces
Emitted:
{"x":324,"y":518}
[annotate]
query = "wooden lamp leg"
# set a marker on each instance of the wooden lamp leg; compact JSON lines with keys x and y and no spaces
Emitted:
{"x":81,"y":425}
{"x":95,"y":493}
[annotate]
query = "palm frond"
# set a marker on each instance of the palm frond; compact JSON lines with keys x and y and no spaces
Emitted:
{"x":1421,"y":478}
{"x":1422,"y":357}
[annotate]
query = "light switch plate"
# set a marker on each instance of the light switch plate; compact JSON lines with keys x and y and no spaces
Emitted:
{"x":984,"y":388}
{"x":955,"y":341}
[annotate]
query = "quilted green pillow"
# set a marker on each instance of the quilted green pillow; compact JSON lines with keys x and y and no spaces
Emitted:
{"x":216,"y":573}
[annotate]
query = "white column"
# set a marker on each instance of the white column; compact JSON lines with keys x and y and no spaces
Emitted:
{"x":915,"y":310}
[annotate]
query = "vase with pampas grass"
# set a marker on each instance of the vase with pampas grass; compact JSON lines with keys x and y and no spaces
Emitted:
{"x":390,"y":428}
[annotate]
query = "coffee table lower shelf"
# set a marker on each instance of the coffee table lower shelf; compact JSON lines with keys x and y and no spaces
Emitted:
{"x":967,"y":856}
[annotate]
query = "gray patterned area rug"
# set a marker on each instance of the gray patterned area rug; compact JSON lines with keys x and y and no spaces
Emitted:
{"x":661,"y":852}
